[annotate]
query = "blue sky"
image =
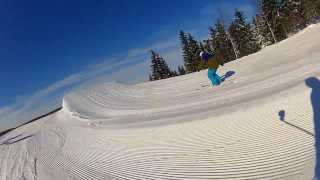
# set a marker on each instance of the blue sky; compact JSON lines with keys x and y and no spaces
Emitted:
{"x":46,"y":47}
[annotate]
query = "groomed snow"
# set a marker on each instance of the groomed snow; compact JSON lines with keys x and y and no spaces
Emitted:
{"x":181,"y":128}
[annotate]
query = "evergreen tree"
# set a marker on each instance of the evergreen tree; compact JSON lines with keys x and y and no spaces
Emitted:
{"x":150,"y":77}
{"x":201,"y":46}
{"x":165,"y":70}
{"x":310,"y":9}
{"x":160,"y":69}
{"x":317,"y":7}
{"x":234,"y":46}
{"x":221,"y":43}
{"x":194,"y":51}
{"x":263,"y":28}
{"x":272,"y":14}
{"x":174,"y":73}
{"x":154,"y":67}
{"x":291,"y":15}
{"x":185,"y":52}
{"x":181,"y":70}
{"x":190,"y":51}
{"x":206,"y":45}
{"x":287,"y":16}
{"x":242,"y":36}
{"x":256,"y":33}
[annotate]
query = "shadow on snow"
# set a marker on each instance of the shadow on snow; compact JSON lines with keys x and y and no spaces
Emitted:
{"x":314,"y":84}
{"x":227,"y":75}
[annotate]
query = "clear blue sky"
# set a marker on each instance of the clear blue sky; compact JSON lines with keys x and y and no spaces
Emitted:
{"x":44,"y":42}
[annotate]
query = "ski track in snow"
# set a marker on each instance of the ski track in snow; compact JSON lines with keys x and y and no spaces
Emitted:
{"x":181,"y":128}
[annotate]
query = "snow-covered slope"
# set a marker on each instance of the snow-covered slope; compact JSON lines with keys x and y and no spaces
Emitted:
{"x":259,"y":124}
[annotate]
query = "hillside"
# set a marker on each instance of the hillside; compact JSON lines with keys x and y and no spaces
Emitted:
{"x":261,"y":123}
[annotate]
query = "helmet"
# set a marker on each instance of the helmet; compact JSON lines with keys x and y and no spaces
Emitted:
{"x":201,"y":54}
{"x":204,"y":55}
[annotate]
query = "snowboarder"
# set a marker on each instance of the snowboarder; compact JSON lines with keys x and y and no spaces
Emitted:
{"x":213,"y":64}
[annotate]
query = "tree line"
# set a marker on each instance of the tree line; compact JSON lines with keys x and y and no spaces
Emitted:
{"x":275,"y":21}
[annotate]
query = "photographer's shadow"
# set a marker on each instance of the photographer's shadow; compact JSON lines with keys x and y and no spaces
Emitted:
{"x":314,"y":84}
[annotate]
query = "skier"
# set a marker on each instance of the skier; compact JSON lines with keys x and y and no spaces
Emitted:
{"x":213,"y":64}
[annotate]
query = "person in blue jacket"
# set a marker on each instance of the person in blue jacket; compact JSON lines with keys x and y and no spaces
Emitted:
{"x":213,"y":64}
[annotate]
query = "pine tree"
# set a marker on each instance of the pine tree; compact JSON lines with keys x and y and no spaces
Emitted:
{"x":185,"y":52}
{"x":201,"y":46}
{"x":155,"y":74}
{"x":291,"y":15}
{"x":242,"y":36}
{"x":263,"y":27}
{"x":190,"y":51}
{"x":272,"y":12}
{"x":310,"y":9}
{"x":160,"y":69}
{"x":165,"y":70}
{"x":194,"y":51}
{"x":181,"y":70}
{"x":221,"y":43}
{"x":206,"y":45}
{"x":317,"y":7}
{"x":233,"y":45}
{"x":256,"y":33}
{"x":286,"y":16}
{"x":174,"y":73}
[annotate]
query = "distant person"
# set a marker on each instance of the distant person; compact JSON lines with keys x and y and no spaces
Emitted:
{"x":213,"y":64}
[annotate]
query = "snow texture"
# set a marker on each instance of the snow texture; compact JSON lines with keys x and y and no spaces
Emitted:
{"x":259,"y":124}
